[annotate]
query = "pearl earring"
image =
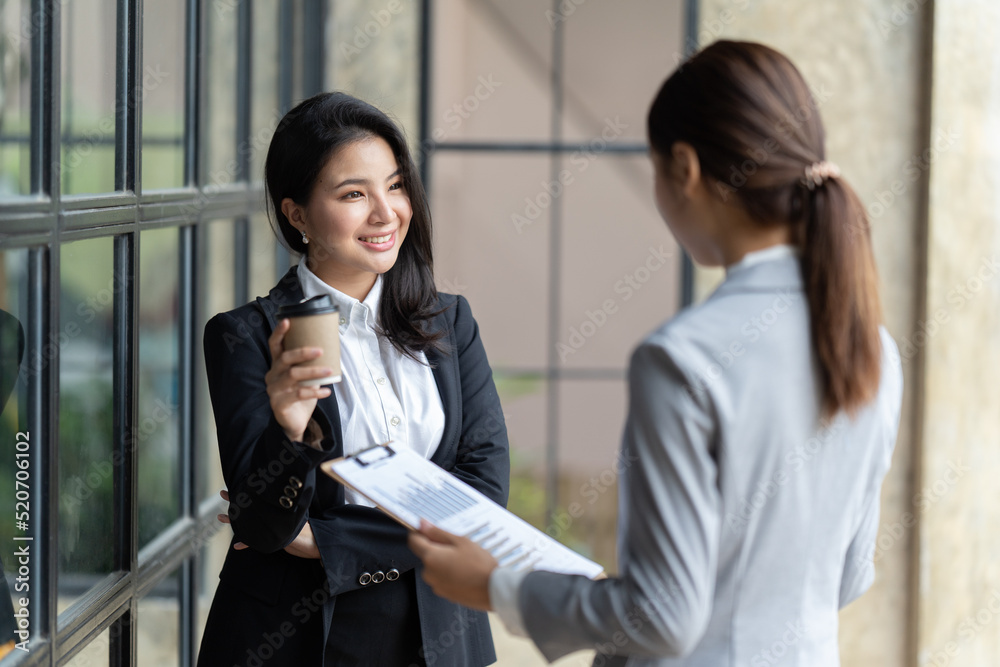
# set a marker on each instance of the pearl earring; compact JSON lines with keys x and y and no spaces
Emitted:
{"x":305,"y":239}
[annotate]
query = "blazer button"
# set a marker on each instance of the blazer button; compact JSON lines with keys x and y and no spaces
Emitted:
{"x":290,"y":492}
{"x":365,"y":579}
{"x":392,"y":575}
{"x":378,"y":577}
{"x":295,"y":482}
{"x":285,"y":502}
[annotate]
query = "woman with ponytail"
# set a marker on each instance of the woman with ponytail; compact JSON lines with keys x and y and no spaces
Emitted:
{"x":761,"y":422}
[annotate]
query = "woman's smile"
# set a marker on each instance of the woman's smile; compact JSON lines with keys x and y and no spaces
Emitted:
{"x":379,"y":243}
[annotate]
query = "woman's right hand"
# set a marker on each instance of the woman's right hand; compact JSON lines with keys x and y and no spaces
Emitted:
{"x":292,"y":404}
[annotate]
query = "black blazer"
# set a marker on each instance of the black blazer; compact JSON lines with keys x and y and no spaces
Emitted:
{"x":263,"y":589}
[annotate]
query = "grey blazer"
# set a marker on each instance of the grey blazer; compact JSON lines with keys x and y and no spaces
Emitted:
{"x":745,"y":523}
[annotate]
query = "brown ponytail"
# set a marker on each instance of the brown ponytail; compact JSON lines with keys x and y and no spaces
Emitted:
{"x":842,"y":290}
{"x":755,"y":126}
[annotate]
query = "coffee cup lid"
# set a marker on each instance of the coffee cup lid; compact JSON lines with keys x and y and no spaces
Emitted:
{"x":318,"y":305}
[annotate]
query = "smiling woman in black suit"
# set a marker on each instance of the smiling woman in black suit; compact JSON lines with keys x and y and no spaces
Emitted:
{"x":317,"y":576}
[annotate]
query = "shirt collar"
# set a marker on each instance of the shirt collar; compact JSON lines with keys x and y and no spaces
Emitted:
{"x":769,"y":254}
{"x":348,"y":306}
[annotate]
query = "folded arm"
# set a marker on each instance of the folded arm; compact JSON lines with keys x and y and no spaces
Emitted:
{"x":270,"y":477}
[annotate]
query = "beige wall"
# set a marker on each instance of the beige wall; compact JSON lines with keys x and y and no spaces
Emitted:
{"x":959,"y":554}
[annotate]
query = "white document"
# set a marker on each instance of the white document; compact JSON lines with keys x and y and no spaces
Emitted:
{"x":410,"y":488}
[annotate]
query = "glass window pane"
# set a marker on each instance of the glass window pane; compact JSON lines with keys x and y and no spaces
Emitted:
{"x":218,"y":263}
{"x":94,"y":654}
{"x":265,"y":111}
{"x":158,"y":437}
{"x":159,"y":624}
{"x":220,"y":94}
{"x":375,"y":55}
{"x":14,"y":369}
{"x":162,"y":94}
{"x":620,"y":264}
{"x":15,"y":98}
{"x":213,"y":554}
{"x":617,"y":56}
{"x":523,"y":397}
{"x":491,"y":213}
{"x":495,"y":81}
{"x":263,"y":256}
{"x":87,"y":163}
{"x":591,"y":415}
{"x":85,"y":416}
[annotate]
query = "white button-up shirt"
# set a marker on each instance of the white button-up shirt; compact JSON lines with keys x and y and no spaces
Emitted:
{"x":383,"y":394}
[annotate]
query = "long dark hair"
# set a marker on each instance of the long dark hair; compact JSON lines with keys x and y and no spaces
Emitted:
{"x":755,"y":126}
{"x":305,"y":139}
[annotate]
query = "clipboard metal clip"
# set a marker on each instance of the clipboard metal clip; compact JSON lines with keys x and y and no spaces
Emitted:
{"x":374,"y":454}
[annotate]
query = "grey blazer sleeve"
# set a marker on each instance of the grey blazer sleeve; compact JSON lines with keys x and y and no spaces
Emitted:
{"x":859,"y":566}
{"x":859,"y":561}
{"x":670,"y":520}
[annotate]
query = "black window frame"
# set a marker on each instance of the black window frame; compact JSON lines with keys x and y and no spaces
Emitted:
{"x":555,"y":148}
{"x":42,"y":221}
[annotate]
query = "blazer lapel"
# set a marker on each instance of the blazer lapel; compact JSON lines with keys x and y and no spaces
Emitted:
{"x":446,"y":374}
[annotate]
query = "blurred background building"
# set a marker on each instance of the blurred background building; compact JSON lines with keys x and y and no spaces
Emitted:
{"x":132,"y":142}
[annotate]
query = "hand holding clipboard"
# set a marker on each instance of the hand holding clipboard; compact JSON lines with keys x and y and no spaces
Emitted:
{"x":409,"y":488}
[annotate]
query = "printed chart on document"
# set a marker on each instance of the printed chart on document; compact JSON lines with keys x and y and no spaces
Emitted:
{"x":410,"y":488}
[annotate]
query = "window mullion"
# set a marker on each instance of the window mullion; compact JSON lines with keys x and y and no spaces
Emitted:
{"x":124,"y":390}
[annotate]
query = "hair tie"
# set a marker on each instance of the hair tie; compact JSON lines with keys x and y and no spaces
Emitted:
{"x":818,"y":173}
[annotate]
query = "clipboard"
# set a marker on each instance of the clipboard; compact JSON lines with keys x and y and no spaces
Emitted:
{"x":409,"y":488}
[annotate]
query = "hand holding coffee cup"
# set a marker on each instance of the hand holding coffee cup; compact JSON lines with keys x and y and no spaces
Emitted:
{"x":305,"y":353}
{"x":315,"y":322}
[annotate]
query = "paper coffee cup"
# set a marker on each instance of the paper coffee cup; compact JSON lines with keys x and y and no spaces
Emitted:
{"x":315,"y":322}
